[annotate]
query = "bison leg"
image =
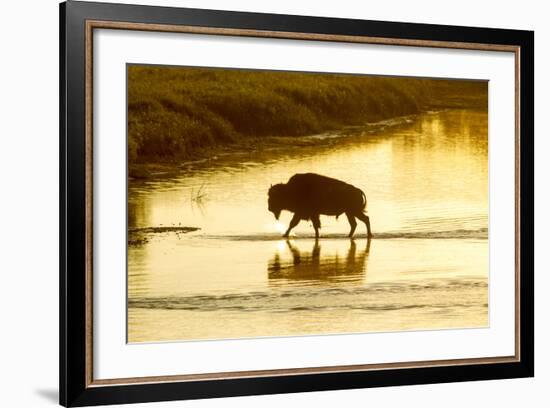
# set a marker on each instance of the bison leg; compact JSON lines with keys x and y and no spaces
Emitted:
{"x":352,"y":223}
{"x":316,"y":224}
{"x":365,"y":218}
{"x":293,"y":222}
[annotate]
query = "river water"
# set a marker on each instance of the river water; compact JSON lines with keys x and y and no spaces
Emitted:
{"x":426,"y":182}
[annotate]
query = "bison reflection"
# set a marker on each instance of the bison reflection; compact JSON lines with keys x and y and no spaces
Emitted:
{"x":310,"y":195}
{"x":311,"y":266}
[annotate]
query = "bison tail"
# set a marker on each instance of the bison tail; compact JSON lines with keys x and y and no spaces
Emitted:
{"x":364,"y":197}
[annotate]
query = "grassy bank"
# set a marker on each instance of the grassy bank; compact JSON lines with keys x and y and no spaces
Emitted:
{"x":179,"y":113}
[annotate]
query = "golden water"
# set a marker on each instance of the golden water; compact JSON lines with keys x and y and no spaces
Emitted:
{"x":426,"y":183}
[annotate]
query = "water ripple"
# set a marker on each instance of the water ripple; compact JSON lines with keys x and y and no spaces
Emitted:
{"x":375,"y":297}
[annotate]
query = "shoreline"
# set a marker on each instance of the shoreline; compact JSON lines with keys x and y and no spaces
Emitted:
{"x":138,"y":172}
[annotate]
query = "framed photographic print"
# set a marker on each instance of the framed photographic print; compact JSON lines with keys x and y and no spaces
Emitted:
{"x":256,"y":203}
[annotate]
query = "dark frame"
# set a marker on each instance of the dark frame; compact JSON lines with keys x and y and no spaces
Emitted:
{"x":77,"y":387}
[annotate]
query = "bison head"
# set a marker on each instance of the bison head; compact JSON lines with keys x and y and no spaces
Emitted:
{"x":276,"y":199}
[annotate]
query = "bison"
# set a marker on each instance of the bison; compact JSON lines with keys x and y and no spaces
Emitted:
{"x":310,"y":195}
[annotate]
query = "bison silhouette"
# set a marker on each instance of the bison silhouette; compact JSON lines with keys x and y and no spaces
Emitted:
{"x":310,"y":195}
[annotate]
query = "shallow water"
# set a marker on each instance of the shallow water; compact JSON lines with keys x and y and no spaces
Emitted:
{"x":426,"y":183}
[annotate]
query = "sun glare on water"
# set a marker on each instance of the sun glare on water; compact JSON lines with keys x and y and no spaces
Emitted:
{"x":281,"y":245}
{"x":279,"y":227}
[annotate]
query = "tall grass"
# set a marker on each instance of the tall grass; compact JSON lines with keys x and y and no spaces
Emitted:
{"x":176,"y":113}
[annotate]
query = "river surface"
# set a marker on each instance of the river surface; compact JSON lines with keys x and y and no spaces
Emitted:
{"x":426,"y":182}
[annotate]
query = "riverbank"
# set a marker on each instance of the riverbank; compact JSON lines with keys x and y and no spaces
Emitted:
{"x":255,"y":149}
{"x":184,"y":114}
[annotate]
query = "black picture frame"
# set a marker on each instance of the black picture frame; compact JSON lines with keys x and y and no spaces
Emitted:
{"x":75,"y":389}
